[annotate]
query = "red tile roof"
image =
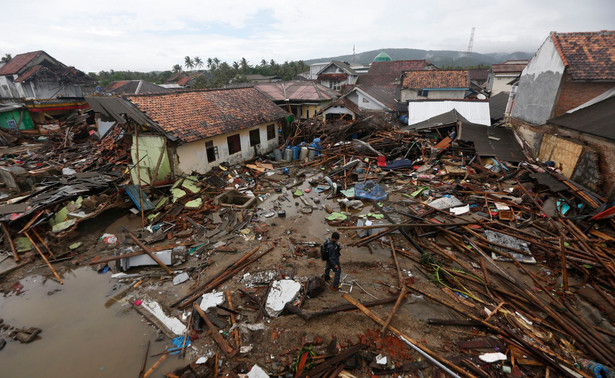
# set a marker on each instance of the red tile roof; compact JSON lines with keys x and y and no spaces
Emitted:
{"x":116,"y":84}
{"x":587,"y":56}
{"x":333,"y":76}
{"x":384,"y":73}
{"x":435,"y":79}
{"x":19,"y":62}
{"x":26,"y":75}
{"x":195,"y":115}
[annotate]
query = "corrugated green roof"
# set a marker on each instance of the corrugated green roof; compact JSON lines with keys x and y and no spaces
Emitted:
{"x":382,"y":57}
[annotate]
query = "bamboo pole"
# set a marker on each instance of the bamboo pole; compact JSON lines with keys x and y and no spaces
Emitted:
{"x":44,"y":258}
{"x":402,"y":295}
{"x":222,"y":344}
{"x":562,"y":252}
{"x":155,"y":365}
{"x":11,"y":241}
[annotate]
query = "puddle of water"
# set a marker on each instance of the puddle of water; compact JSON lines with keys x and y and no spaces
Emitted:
{"x":81,"y":337}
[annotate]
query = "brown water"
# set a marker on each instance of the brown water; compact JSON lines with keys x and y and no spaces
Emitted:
{"x":80,"y":338}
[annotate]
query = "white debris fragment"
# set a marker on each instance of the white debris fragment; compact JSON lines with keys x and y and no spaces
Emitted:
{"x":445,"y":203}
{"x":173,"y":324}
{"x":492,"y":357}
{"x":245,"y":349}
{"x":257,"y":372}
{"x":180,"y":278}
{"x":210,"y":300}
{"x":282,"y":292}
{"x":202,"y":360}
{"x":460,"y":210}
{"x":381,"y":360}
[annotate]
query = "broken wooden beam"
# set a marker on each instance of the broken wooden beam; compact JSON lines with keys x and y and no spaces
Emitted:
{"x":402,"y":295}
{"x":228,"y":350}
{"x":150,"y":253}
{"x":435,"y":358}
{"x":43,"y":256}
{"x":7,"y":234}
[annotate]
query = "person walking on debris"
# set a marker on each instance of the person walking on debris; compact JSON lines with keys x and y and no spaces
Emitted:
{"x":331,"y":254}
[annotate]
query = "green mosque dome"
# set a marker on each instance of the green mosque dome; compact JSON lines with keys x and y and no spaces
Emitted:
{"x":382,"y":57}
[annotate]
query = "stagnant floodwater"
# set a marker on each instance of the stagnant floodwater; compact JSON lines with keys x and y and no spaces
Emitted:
{"x":81,"y":336}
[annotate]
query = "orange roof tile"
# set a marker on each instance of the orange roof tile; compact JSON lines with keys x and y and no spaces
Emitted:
{"x":18,"y":62}
{"x":195,"y":115}
{"x":435,"y":79}
{"x":588,"y":55}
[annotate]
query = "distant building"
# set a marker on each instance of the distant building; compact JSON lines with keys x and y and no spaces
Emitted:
{"x":382,"y":57}
{"x":257,"y":78}
{"x":566,"y":71}
{"x":434,"y":85}
{"x":125,"y":87}
{"x":304,"y":99}
{"x":501,"y":75}
{"x":337,"y":74}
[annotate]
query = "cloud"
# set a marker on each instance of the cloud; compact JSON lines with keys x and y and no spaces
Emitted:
{"x":155,"y":35}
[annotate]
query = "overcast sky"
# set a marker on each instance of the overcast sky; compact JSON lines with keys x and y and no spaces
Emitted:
{"x":155,"y":35}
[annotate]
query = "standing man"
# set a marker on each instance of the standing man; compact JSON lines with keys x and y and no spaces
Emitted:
{"x":333,"y":261}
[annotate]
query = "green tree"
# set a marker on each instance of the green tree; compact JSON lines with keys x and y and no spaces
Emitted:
{"x":6,"y":58}
{"x":177,"y":68}
{"x":198,"y":62}
{"x":188,"y":62}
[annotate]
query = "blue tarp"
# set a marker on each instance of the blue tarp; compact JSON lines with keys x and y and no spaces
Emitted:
{"x":133,"y":193}
{"x":370,"y":191}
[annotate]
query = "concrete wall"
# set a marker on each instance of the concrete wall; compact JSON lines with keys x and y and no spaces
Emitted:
{"x":539,"y":85}
{"x":500,"y":83}
{"x":192,"y":157}
{"x":313,"y":109}
{"x":575,"y":93}
{"x":33,"y":89}
{"x":364,"y":102}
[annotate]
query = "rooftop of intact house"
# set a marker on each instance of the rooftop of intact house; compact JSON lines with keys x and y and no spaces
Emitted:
{"x":435,"y":79}
{"x":587,"y":55}
{"x":195,"y":115}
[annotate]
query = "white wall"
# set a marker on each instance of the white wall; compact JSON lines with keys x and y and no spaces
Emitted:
{"x":315,"y":68}
{"x":473,"y":111}
{"x":500,"y":83}
{"x":364,"y":102}
{"x":539,"y":85}
{"x":192,"y":157}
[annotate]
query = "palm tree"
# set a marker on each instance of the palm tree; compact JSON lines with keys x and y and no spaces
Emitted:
{"x":198,"y":62}
{"x":209,"y":63}
{"x":244,"y":65}
{"x":188,"y":62}
{"x":263,"y":63}
{"x":217,"y":61}
{"x":177,"y":68}
{"x":236,"y":66}
{"x":6,"y":58}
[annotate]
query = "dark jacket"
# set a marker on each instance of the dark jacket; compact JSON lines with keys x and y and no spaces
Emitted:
{"x":334,"y":252}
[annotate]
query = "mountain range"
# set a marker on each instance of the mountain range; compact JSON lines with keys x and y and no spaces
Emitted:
{"x":441,"y":58}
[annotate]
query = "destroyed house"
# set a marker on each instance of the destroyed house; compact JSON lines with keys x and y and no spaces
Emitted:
{"x":193,"y":131}
{"x":502,"y":74}
{"x":566,"y":71}
{"x":363,"y":100}
{"x":36,"y":75}
{"x":304,"y":99}
{"x":434,"y":85}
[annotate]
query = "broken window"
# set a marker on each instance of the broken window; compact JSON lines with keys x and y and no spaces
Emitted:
{"x":423,"y":92}
{"x":212,"y":151}
{"x":234,"y":144}
{"x":255,"y":137}
{"x":270,"y":132}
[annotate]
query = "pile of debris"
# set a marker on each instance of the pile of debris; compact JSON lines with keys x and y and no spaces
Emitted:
{"x":464,"y":261}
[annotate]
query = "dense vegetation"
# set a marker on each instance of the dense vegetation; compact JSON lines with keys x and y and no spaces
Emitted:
{"x":216,"y":74}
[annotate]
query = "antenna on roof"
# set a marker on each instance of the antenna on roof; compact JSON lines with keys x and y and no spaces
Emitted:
{"x":353,"y":54}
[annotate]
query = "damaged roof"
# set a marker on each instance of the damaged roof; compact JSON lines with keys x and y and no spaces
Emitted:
{"x":495,"y":141}
{"x":588,"y":55}
{"x":297,"y":91}
{"x":445,"y":119}
{"x":497,"y":105}
{"x":435,"y":79}
{"x":596,"y":119}
{"x":193,"y":115}
{"x":19,"y":62}
{"x":386,"y":94}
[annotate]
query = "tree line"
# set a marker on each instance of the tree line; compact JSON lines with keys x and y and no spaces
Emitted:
{"x":208,"y":73}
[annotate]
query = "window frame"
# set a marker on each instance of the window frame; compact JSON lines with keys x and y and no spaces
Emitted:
{"x":256,"y":132}
{"x":229,"y":145}
{"x":271,"y":131}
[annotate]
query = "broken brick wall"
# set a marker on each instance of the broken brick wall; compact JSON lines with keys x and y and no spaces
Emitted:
{"x":602,"y":149}
{"x":574,"y":93}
